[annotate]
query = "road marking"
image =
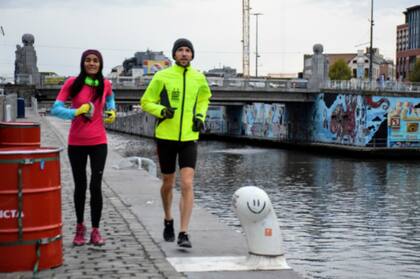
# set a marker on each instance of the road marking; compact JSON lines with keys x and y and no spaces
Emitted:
{"x":206,"y":264}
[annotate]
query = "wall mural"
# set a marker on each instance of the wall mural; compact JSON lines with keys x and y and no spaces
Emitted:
{"x":403,"y":123}
{"x":264,"y":120}
{"x":358,"y":120}
{"x":216,"y":120}
{"x":363,"y":120}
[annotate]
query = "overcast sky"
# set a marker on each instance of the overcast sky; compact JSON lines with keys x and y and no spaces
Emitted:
{"x":119,"y":28}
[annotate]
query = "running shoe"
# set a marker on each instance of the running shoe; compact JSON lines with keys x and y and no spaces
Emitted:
{"x":79,"y":238}
{"x":168,"y":231}
{"x":183,"y":240}
{"x":96,"y":238}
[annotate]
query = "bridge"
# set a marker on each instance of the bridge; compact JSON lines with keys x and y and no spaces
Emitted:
{"x":231,"y":92}
{"x":240,"y":91}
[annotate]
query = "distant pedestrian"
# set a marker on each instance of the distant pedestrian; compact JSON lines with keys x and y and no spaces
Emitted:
{"x":90,"y":94}
{"x":179,"y":97}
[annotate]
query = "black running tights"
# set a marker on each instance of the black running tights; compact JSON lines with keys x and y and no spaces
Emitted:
{"x":78,"y":156}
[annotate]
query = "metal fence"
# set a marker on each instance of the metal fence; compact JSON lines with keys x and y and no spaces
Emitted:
{"x":268,"y":84}
{"x":217,"y":82}
{"x":388,"y":85}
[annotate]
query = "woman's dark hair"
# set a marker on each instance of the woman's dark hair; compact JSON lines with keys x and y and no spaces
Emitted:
{"x":80,"y":80}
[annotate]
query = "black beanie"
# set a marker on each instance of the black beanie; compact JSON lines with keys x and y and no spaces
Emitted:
{"x":182,"y":43}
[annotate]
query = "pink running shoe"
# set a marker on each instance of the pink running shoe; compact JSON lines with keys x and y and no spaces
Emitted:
{"x":79,"y":238}
{"x":96,"y":238}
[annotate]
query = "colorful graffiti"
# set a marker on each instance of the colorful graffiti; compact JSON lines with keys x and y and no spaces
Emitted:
{"x":264,"y":120}
{"x":216,"y":120}
{"x":403,"y":125}
{"x":364,"y":121}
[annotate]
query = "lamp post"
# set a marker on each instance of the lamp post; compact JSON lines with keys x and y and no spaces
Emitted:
{"x":256,"y":43}
{"x":371,"y":39}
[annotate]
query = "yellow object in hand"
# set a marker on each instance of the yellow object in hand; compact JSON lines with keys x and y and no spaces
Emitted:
{"x":110,"y":116}
{"x":83,"y":109}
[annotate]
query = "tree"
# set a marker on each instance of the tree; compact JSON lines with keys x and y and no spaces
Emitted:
{"x":339,"y":71}
{"x":415,"y":74}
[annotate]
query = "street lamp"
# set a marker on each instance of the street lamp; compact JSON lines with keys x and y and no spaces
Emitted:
{"x":371,"y":39}
{"x":256,"y":42}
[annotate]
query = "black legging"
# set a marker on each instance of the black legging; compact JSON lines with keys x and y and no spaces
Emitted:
{"x":78,"y":159}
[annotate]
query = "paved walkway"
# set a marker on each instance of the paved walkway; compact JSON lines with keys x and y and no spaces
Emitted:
{"x":132,"y":226}
{"x":129,"y":252}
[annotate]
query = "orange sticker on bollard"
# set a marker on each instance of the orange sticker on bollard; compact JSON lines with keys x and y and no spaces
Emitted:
{"x":268,"y":232}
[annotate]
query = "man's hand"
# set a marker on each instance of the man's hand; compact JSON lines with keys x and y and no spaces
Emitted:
{"x":84,"y":109}
{"x":198,"y":125}
{"x":110,"y":116}
{"x":167,"y":113}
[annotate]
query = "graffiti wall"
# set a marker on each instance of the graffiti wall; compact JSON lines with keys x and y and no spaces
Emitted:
{"x":264,"y":120}
{"x":139,"y":123}
{"x":358,"y":120}
{"x":216,"y":120}
{"x":363,"y":120}
{"x":403,"y":123}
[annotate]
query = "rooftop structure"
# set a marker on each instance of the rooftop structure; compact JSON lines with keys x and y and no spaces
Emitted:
{"x":144,"y":63}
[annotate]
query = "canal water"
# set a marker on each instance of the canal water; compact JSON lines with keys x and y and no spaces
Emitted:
{"x":340,"y":217}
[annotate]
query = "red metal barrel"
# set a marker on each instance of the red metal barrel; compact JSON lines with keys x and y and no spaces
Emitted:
{"x":21,"y":134}
{"x":30,"y":209}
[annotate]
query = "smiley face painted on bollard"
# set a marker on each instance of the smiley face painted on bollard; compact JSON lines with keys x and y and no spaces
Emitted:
{"x":256,"y":206}
{"x":251,"y":203}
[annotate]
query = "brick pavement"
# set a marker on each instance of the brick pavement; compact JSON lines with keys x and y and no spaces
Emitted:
{"x":130,"y":251}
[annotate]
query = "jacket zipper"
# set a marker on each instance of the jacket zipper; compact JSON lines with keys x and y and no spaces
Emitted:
{"x":183,"y":101}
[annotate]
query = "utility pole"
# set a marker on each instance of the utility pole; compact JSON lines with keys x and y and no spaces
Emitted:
{"x":256,"y":43}
{"x":371,"y":39}
{"x":245,"y":38}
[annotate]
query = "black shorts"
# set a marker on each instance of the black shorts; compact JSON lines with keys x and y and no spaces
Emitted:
{"x":168,"y":150}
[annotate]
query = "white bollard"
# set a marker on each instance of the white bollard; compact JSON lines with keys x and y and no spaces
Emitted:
{"x":151,"y":166}
{"x":8,"y":113}
{"x":259,"y":221}
{"x":263,"y":236}
{"x":137,"y":162}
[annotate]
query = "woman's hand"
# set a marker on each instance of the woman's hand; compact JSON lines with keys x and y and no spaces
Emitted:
{"x":110,"y":116}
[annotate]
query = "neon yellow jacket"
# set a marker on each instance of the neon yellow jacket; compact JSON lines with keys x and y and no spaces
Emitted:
{"x":185,"y":90}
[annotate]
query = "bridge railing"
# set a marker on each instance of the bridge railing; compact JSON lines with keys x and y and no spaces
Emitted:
{"x":217,"y":82}
{"x":388,"y":85}
{"x":257,"y":83}
{"x":130,"y":82}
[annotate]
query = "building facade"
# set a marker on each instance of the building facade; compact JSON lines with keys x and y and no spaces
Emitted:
{"x":408,"y":42}
{"x":358,"y":64}
{"x":145,"y":63}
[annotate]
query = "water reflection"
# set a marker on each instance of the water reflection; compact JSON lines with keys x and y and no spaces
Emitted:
{"x":340,"y":217}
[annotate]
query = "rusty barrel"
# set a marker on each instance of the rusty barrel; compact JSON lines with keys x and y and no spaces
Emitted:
{"x":20,"y":134}
{"x":30,"y":209}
